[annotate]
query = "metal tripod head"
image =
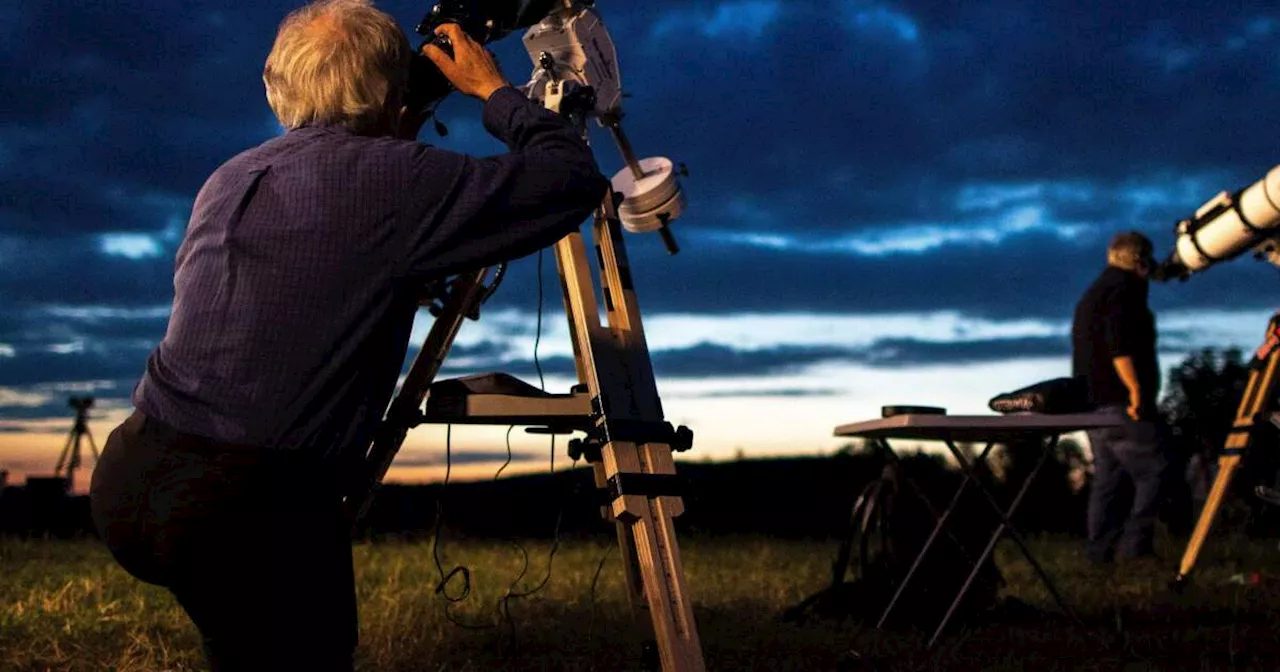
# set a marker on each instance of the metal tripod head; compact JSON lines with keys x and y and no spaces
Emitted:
{"x":575,"y":73}
{"x":82,"y":406}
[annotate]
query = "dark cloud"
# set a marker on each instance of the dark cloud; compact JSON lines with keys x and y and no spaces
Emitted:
{"x":778,"y":392}
{"x":27,"y":429}
{"x":483,"y":349}
{"x":51,"y":400}
{"x":712,"y":360}
{"x":99,"y":361}
{"x":1033,"y":274}
{"x":821,"y":122}
{"x":866,"y":124}
{"x":908,"y":351}
{"x":73,"y":271}
{"x":706,"y":359}
{"x":459,"y":457}
{"x":851,"y":130}
{"x":703,"y":360}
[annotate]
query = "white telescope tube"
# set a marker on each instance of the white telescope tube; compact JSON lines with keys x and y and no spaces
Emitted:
{"x":1227,"y":226}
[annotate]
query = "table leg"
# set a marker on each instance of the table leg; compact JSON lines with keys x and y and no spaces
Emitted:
{"x":883,"y":445}
{"x":1005,"y":524}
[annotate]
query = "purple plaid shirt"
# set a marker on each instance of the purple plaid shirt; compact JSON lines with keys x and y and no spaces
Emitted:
{"x":296,"y":286}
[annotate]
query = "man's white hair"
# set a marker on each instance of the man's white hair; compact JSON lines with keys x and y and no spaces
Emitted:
{"x":336,"y":62}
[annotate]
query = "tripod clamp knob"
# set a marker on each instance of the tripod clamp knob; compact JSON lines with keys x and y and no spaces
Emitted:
{"x":682,"y":440}
{"x":580,"y":448}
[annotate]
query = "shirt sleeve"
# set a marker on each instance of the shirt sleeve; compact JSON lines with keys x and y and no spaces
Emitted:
{"x":481,"y":211}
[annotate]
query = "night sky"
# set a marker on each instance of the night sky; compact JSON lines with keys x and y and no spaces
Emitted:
{"x":889,"y":202}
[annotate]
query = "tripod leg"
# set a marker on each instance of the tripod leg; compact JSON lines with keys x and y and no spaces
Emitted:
{"x":635,"y":587}
{"x":1257,"y":397}
{"x":65,"y":457}
{"x":845,"y":552}
{"x":74,"y":463}
{"x":614,"y":363}
{"x":1226,"y":469}
{"x":464,"y":299}
{"x":93,"y":445}
{"x":657,"y":555}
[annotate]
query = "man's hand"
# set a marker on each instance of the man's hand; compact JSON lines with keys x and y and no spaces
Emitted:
{"x":472,"y":69}
{"x":1129,"y":376}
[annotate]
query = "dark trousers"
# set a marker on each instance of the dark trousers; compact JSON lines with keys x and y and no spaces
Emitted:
{"x":251,"y":542}
{"x":1130,"y":469}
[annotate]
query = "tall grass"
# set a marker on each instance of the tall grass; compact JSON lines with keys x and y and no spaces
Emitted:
{"x":65,"y":605}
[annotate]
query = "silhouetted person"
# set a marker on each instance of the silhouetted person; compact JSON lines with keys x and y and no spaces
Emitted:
{"x":1113,"y":339}
{"x":296,"y":287}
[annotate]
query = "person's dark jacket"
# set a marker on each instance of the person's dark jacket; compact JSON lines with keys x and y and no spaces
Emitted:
{"x":298,"y":280}
{"x":1112,"y":320}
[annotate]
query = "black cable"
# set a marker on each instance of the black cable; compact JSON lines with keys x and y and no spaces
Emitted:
{"x":555,"y":540}
{"x":504,"y":613}
{"x":443,"y":585}
{"x":505,"y":600}
{"x":504,"y":464}
{"x":537,"y":334}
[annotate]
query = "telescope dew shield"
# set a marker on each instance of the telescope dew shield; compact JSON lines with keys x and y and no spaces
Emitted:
{"x":1226,"y":226}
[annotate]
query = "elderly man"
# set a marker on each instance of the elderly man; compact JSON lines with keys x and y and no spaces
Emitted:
{"x":1113,"y":338}
{"x":296,"y":288}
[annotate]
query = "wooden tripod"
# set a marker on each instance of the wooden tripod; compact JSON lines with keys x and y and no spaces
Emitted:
{"x":616,"y":404}
{"x":1251,"y":415}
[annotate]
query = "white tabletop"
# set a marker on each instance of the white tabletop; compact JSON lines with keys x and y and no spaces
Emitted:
{"x":977,"y":428}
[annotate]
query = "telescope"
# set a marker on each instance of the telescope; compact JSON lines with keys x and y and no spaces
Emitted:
{"x":484,"y":21}
{"x":1225,"y":227}
{"x":1222,"y":229}
{"x":575,"y":75}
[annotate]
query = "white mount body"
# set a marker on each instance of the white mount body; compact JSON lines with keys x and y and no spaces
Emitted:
{"x":582,"y":52}
{"x":571,"y":46}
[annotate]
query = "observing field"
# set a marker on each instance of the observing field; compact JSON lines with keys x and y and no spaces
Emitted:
{"x":64,"y":605}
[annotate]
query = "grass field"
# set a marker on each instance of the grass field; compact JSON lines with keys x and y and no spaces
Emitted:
{"x":64,"y":605}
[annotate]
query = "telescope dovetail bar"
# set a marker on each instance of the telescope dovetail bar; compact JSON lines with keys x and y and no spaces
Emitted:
{"x":628,"y":443}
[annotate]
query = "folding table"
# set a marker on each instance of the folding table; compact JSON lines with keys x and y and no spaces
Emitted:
{"x":980,"y":429}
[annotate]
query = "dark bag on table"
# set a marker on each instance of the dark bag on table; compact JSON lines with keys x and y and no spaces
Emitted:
{"x":1059,"y":395}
